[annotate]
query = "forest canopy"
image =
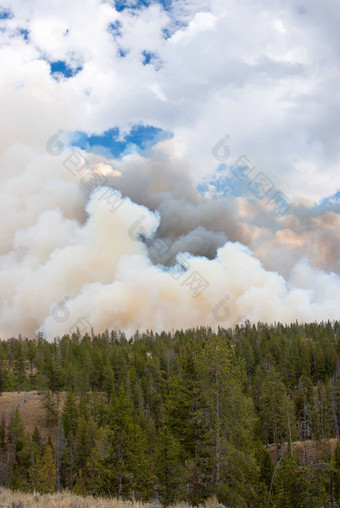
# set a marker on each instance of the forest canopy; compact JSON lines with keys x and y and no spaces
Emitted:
{"x":180,"y":416}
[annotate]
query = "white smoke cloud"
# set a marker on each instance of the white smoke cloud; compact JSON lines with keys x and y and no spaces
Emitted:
{"x":72,"y":259}
{"x":135,"y":294}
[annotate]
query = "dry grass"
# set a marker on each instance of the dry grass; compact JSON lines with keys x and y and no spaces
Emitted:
{"x":11,"y":499}
{"x":8,"y":402}
{"x":308,"y":451}
{"x":31,"y":411}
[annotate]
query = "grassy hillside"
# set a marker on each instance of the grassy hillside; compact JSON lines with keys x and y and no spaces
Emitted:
{"x":31,"y":410}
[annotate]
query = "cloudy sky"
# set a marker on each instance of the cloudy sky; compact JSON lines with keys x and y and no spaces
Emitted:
{"x":133,"y":132}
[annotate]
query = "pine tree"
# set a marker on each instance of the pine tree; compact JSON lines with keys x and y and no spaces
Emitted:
{"x":184,"y":413}
{"x":335,"y":475}
{"x":47,"y":474}
{"x":296,"y":486}
{"x":232,"y":423}
{"x":60,"y":448}
{"x":15,"y":479}
{"x":35,"y":467}
{"x":270,"y":398}
{"x":84,"y":442}
{"x":3,"y":372}
{"x":56,"y":376}
{"x":123,"y":468}
{"x":70,"y":415}
{"x":167,"y":466}
{"x":19,"y":366}
{"x":50,"y":407}
{"x":16,"y":431}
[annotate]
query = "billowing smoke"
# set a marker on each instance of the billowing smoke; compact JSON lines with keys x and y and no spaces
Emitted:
{"x":131,"y":244}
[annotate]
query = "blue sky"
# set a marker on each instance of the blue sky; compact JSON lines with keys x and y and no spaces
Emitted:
{"x":5,"y":14}
{"x":225,"y":183}
{"x":140,"y":139}
{"x":62,"y":68}
{"x":120,"y":5}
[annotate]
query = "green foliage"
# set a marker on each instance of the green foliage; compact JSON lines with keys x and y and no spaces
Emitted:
{"x":16,"y":431}
{"x":295,"y":485}
{"x":124,"y":463}
{"x":182,"y":416}
{"x":70,"y":416}
{"x":15,"y":480}
{"x":47,"y":473}
{"x":50,"y":407}
{"x":169,"y":469}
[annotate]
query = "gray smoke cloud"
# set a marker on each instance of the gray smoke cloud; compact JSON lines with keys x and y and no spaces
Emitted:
{"x":131,"y":244}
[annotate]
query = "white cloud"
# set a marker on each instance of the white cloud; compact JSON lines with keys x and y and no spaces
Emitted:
{"x":264,"y":74}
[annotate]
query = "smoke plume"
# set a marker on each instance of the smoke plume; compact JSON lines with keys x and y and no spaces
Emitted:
{"x":132,"y":245}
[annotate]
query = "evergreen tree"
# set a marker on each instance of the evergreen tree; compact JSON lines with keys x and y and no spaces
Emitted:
{"x":167,"y":466}
{"x":50,"y":407}
{"x":124,"y":466}
{"x":335,"y":476}
{"x":70,"y":416}
{"x":185,"y":415}
{"x":19,"y":366}
{"x":230,"y":412}
{"x":47,"y":476}
{"x":295,"y":486}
